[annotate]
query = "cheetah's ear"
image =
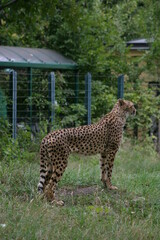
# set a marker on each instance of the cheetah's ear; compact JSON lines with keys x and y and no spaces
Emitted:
{"x":121,"y":102}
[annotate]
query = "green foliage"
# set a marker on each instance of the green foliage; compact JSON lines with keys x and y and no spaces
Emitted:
{"x":74,"y":116}
{"x":144,"y":97}
{"x":13,"y":151}
{"x":4,"y":135}
{"x":104,"y":97}
{"x":88,"y":39}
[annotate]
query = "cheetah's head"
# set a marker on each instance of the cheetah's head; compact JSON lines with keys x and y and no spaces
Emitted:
{"x":127,"y":107}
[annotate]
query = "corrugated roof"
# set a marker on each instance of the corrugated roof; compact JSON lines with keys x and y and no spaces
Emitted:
{"x":140,"y":44}
{"x":137,"y":41}
{"x":34,"y":57}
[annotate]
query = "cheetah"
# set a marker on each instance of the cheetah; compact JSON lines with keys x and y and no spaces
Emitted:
{"x":103,"y":137}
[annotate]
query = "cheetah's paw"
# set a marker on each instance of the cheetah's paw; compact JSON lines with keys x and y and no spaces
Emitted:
{"x":58,"y":203}
{"x":112,"y":187}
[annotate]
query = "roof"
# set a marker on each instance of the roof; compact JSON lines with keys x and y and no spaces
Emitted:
{"x":34,"y":58}
{"x":140,"y":44}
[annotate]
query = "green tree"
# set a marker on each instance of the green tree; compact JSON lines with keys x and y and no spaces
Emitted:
{"x":94,"y":34}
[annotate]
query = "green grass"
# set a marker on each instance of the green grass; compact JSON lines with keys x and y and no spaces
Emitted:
{"x":90,"y":211}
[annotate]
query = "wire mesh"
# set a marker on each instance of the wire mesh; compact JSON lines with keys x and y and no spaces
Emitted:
{"x":34,"y":105}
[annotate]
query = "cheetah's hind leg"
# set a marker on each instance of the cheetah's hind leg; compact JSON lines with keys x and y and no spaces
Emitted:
{"x":45,"y":175}
{"x":58,"y":167}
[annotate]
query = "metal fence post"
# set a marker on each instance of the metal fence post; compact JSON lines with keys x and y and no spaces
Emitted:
{"x":88,"y":78}
{"x":76,"y":87}
{"x":30,"y":94}
{"x":13,"y":79}
{"x":51,"y":91}
{"x":121,"y":86}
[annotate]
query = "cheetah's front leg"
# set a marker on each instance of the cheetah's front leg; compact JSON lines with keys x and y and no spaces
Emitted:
{"x":106,"y":162}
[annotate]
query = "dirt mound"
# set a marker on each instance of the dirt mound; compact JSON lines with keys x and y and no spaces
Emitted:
{"x":79,"y":190}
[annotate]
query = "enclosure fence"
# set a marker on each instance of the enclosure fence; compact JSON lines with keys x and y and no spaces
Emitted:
{"x":54,"y":100}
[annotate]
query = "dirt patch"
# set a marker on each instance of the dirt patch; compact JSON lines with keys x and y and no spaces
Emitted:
{"x":86,"y":190}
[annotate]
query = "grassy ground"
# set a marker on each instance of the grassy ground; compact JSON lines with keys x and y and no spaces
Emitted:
{"x":90,"y":211}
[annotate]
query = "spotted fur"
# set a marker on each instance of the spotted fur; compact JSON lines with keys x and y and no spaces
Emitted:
{"x":102,"y":138}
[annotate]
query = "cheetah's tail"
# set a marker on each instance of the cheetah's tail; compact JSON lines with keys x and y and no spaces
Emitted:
{"x":43,"y":168}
